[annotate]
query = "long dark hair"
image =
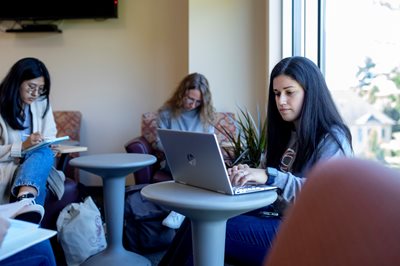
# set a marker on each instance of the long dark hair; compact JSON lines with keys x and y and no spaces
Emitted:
{"x":318,"y":116}
{"x":10,"y":99}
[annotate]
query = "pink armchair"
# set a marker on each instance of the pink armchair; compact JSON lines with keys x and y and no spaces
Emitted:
{"x":145,"y":144}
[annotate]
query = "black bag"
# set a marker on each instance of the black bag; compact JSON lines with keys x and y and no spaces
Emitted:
{"x":143,"y":229}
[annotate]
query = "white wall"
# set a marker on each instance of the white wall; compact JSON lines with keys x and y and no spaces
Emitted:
{"x":227,"y":43}
{"x":114,"y":70}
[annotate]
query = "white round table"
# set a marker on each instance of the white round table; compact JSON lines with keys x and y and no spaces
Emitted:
{"x":208,"y":212}
{"x":113,"y":168}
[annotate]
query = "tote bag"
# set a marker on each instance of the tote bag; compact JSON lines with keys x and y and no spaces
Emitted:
{"x":80,"y":231}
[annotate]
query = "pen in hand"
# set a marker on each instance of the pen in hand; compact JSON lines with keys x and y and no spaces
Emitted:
{"x":32,"y":139}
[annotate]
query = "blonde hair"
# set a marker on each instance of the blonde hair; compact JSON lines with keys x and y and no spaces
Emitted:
{"x":194,"y":81}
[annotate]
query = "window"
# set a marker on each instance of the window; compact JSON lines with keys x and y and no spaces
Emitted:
{"x":357,"y":46}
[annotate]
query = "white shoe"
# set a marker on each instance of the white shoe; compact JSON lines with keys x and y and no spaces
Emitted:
{"x":31,"y":212}
{"x":173,"y":220}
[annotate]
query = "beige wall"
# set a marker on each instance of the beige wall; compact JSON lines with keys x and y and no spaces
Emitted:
{"x":114,"y":70}
{"x":227,"y":43}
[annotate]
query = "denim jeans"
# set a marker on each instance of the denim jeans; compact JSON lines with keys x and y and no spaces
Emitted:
{"x":248,"y":240}
{"x":34,"y":171}
{"x":39,"y":254}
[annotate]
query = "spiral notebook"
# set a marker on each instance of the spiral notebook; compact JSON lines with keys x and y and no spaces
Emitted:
{"x":195,"y":159}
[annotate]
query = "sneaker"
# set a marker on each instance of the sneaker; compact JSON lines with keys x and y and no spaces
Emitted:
{"x":173,"y":220}
{"x":31,"y":212}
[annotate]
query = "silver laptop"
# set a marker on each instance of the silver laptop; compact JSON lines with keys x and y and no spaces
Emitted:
{"x":195,"y":159}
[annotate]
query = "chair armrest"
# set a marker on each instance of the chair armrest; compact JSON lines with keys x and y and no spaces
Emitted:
{"x":142,"y":146}
{"x":138,"y":145}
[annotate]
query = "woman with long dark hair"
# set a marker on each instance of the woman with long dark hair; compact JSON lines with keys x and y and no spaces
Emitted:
{"x":304,"y":128}
{"x":26,"y":119}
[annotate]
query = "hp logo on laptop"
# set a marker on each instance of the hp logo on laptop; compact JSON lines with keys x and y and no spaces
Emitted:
{"x":191,"y":159}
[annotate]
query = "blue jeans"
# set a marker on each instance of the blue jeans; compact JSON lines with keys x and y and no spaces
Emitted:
{"x":248,"y":240}
{"x":40,"y":254}
{"x":34,"y":171}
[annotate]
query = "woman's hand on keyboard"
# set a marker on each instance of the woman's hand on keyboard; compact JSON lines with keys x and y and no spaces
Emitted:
{"x":242,"y":174}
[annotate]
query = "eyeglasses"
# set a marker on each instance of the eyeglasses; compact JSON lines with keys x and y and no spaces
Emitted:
{"x":191,"y":101}
{"x":30,"y":88}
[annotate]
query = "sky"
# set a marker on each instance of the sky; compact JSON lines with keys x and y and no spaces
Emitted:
{"x":356,"y":29}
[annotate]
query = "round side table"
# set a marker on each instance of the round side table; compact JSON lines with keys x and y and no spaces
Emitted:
{"x":208,"y":212}
{"x":113,"y":168}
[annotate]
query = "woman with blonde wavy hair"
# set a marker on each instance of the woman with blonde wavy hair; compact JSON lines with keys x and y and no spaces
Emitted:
{"x":190,"y":108}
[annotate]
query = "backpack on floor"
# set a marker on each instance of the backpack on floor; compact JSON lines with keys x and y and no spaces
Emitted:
{"x":143,"y":229}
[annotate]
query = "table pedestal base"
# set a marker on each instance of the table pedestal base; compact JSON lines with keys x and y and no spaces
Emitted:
{"x":113,"y":168}
{"x":118,"y":257}
{"x":208,"y":212}
{"x":208,"y":238}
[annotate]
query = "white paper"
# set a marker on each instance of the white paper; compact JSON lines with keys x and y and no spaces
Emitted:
{"x":22,"y":235}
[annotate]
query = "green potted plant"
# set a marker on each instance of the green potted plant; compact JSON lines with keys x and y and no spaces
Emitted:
{"x":248,"y":144}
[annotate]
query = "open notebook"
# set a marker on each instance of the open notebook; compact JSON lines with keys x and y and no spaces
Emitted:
{"x":195,"y":159}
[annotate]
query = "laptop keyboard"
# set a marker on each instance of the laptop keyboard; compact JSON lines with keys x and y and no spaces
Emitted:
{"x":249,"y":188}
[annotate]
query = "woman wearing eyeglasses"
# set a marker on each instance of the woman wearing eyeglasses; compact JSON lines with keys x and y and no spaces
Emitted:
{"x":26,"y":118}
{"x":190,"y":108}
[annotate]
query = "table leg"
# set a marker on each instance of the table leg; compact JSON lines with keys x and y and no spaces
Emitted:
{"x":208,"y":239}
{"x":62,"y":162}
{"x":115,"y":254}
